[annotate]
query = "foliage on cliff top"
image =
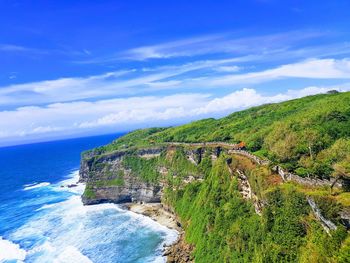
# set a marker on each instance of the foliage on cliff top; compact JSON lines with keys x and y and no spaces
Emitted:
{"x":298,"y":133}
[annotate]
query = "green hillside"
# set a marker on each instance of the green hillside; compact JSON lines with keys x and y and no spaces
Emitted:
{"x":309,"y":136}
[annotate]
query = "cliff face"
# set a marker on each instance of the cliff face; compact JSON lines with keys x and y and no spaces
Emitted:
{"x":109,"y":177}
{"x":133,"y":190}
{"x":90,"y":160}
{"x":108,"y":180}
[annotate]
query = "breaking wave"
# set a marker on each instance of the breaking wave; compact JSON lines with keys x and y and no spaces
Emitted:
{"x":67,"y":231}
{"x":35,"y":185}
{"x":11,"y":251}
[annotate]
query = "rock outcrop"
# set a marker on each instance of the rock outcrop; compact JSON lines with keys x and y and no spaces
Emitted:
{"x":326,"y":224}
{"x":133,"y":192}
{"x":247,"y":193}
{"x":286,"y":176}
{"x":180,"y":252}
{"x":107,"y":180}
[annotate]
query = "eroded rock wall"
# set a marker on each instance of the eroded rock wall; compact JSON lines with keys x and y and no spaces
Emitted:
{"x":107,"y":180}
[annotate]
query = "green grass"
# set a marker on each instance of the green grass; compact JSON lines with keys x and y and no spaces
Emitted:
{"x":89,"y":193}
{"x":112,"y":182}
{"x":146,"y":169}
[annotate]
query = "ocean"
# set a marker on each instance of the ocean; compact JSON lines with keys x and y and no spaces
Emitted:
{"x":43,"y":220}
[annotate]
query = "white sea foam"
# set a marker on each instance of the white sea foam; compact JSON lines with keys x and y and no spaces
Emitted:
{"x":46,"y":207}
{"x":72,"y":254}
{"x":68,"y":231}
{"x":64,"y":254}
{"x":36,"y":185}
{"x":72,"y":179}
{"x":30,"y":184}
{"x":171,"y":234}
{"x":11,"y":251}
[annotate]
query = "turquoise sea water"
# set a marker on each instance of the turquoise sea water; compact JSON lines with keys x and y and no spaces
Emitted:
{"x":42,"y":220}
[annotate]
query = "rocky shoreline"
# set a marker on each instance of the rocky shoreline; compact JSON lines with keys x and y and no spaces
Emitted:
{"x":179,"y":251}
{"x":156,"y":212}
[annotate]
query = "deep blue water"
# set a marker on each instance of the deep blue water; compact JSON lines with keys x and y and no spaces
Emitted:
{"x":42,"y":220}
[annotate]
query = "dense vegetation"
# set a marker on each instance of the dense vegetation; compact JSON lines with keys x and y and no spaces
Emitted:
{"x":225,"y":228}
{"x":146,"y":169}
{"x":309,"y":136}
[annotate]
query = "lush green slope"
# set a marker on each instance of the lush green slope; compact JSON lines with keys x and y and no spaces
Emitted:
{"x":309,"y":136}
{"x":225,"y":228}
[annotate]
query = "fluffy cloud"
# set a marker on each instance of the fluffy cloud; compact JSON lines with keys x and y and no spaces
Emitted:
{"x":250,"y":97}
{"x":73,"y":116}
{"x":120,"y":114}
{"x":312,"y":68}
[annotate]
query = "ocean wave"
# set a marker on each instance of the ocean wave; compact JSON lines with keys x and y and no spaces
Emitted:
{"x":67,"y":231}
{"x":63,"y":254}
{"x":73,"y":177}
{"x":141,"y":220}
{"x":35,"y":185}
{"x":45,"y":207}
{"x":138,"y":221}
{"x":71,"y":184}
{"x":99,"y":233}
{"x":145,"y":221}
{"x":72,"y":254}
{"x":11,"y":251}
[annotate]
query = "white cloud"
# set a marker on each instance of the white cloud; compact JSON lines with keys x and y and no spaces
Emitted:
{"x":64,"y":89}
{"x":285,"y":46}
{"x":185,"y":47}
{"x":124,"y":82}
{"x":228,"y":68}
{"x":312,"y":68}
{"x":25,"y":50}
{"x":221,"y":43}
{"x":180,"y":77}
{"x":120,"y":114}
{"x":17,"y":48}
{"x":250,"y":97}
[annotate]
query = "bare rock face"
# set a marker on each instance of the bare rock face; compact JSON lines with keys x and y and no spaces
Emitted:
{"x":89,"y":161}
{"x":108,"y":181}
{"x":345,"y":217}
{"x":124,"y":194}
{"x":180,"y":252}
{"x":195,"y":155}
{"x":326,"y":224}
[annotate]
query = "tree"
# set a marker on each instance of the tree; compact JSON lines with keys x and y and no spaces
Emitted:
{"x":311,"y":138}
{"x":341,"y":170}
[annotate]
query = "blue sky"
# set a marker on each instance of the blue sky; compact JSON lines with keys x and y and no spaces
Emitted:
{"x":76,"y":68}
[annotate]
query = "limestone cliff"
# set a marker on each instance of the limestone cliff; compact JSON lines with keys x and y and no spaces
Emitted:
{"x":108,"y":180}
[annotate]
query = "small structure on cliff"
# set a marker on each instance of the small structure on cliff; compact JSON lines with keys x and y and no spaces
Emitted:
{"x":239,"y":146}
